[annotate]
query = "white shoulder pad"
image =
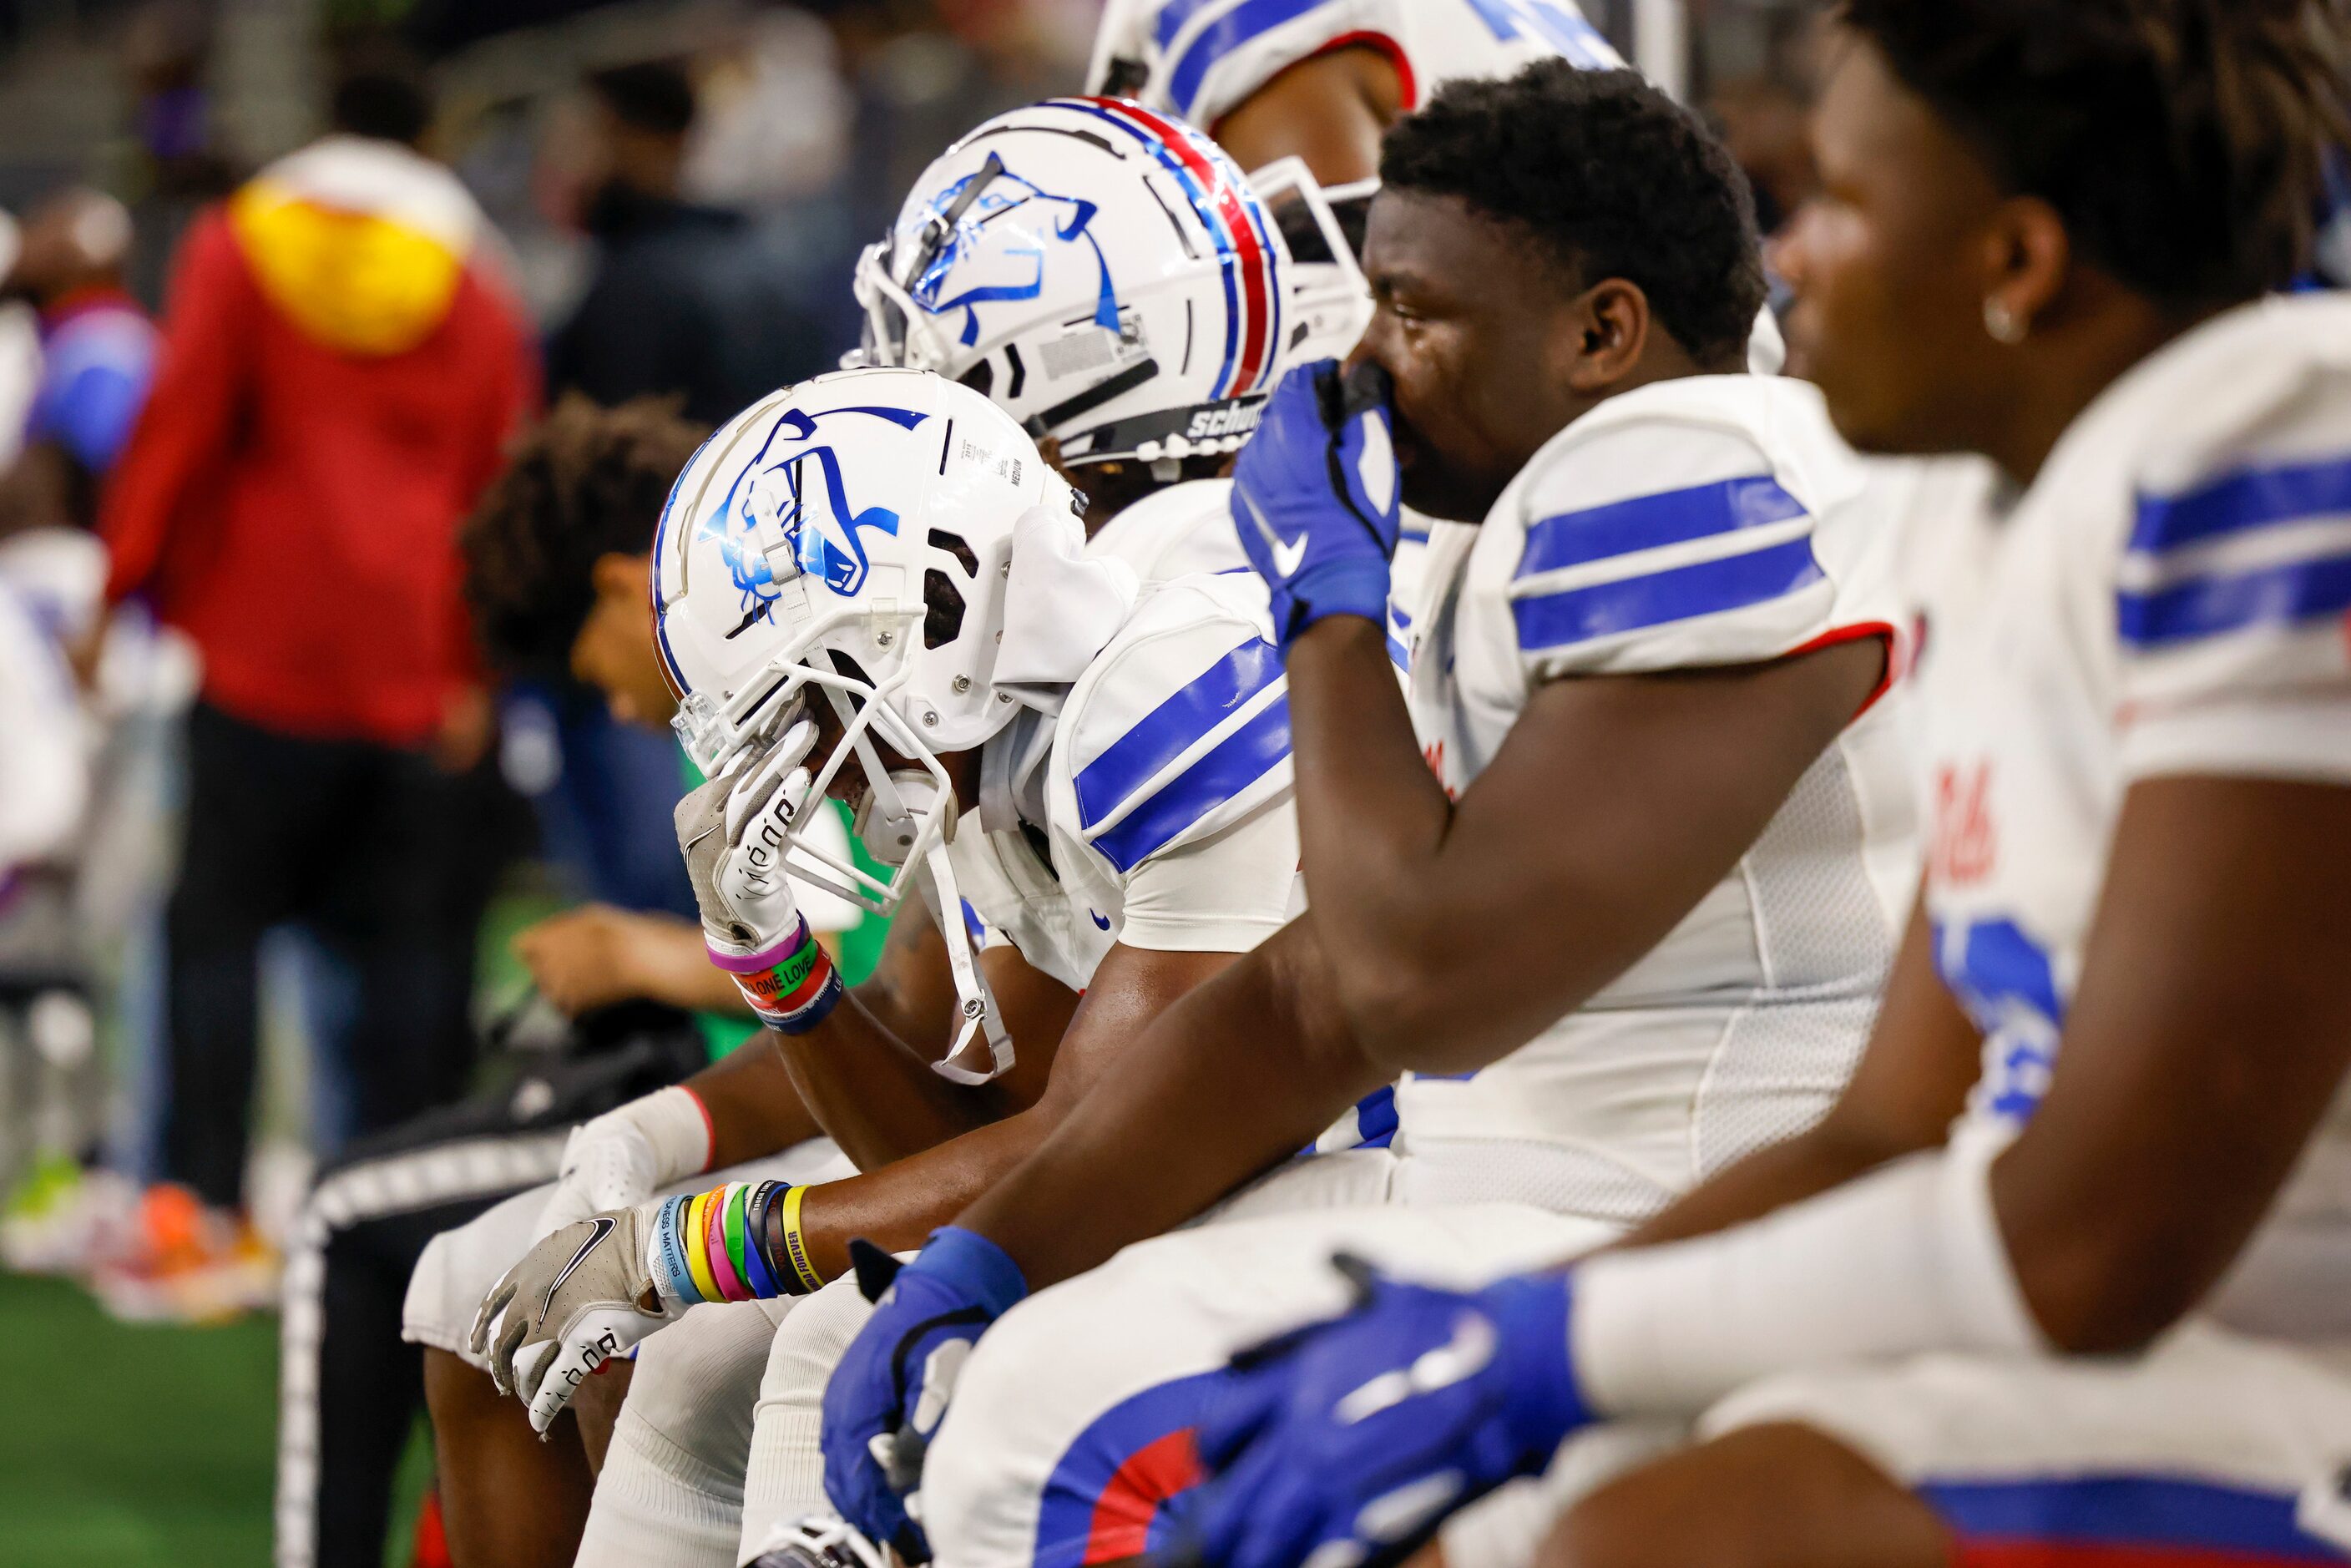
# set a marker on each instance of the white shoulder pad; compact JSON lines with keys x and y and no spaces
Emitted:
{"x":2231,"y":457}
{"x":1121,"y":44}
{"x":1678,"y":526}
{"x":1181,"y":728}
{"x":1184,"y":531}
{"x":1203,"y":58}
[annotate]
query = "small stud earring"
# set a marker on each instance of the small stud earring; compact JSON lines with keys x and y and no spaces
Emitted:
{"x":2006,"y":327}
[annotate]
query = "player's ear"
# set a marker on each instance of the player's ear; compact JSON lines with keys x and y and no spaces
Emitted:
{"x":1607,"y":329}
{"x":2025,"y":255}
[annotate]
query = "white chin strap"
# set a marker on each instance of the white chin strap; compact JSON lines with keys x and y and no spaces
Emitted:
{"x":889,"y":834}
{"x":975,"y":1003}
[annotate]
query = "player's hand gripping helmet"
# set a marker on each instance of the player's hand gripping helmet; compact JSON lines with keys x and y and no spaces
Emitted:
{"x":840,"y":548}
{"x":1105,"y":273}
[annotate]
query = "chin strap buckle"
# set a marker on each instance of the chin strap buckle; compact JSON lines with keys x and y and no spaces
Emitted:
{"x":977,"y":1003}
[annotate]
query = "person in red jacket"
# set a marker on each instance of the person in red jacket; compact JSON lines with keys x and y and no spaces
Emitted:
{"x":339,"y":371}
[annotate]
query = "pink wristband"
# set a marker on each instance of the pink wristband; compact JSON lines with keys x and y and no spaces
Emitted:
{"x":714,"y":1246}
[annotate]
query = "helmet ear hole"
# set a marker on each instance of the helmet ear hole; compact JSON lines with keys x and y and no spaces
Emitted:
{"x":943,"y":607}
{"x":980,"y":377}
{"x":954,"y":545}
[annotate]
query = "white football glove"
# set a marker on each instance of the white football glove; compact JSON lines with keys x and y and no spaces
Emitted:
{"x":622,"y":1157}
{"x":732,"y":832}
{"x":582,"y":1297}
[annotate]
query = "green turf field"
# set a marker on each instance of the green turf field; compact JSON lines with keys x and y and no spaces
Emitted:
{"x":131,"y":1448}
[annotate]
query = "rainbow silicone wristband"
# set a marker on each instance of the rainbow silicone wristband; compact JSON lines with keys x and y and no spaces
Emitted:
{"x":792,"y":985}
{"x":792,"y":1249}
{"x":669,"y":1247}
{"x":713,"y":1242}
{"x":697,"y":1247}
{"x":738,"y":1249}
{"x":756,"y":1272}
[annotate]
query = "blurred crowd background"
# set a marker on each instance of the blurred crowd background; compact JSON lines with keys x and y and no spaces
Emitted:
{"x":322,"y":866}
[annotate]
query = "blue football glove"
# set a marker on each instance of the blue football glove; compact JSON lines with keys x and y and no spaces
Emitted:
{"x":1349,"y":1442}
{"x":1314,"y":496}
{"x":890,"y":1391}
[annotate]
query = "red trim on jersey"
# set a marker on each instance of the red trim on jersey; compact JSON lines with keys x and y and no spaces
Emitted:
{"x":1123,"y":1514}
{"x":1256,"y":266}
{"x":1854,"y":633}
{"x":1386,"y":45}
{"x":2107,"y":1554}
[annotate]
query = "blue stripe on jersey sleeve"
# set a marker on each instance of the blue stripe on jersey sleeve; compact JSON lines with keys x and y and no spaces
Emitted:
{"x":1172,"y":17}
{"x":1221,"y":38}
{"x":1685,"y":593}
{"x":1167,"y":731}
{"x":1398,"y":654}
{"x":1234,"y":764}
{"x":1547,"y":22}
{"x":1375,"y":1118}
{"x":2250,"y":499}
{"x":1648,"y":522}
{"x":2207,"y":607}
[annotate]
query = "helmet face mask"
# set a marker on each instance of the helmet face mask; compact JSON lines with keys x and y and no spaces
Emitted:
{"x":1105,"y":275}
{"x":1328,"y":295}
{"x":908,"y":795}
{"x":843,"y":546}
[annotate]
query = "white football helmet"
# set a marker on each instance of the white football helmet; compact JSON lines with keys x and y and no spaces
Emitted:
{"x":1103,"y":272}
{"x":846,"y":542}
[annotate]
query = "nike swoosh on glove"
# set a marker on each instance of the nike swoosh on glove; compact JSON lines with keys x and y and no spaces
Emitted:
{"x":1349,"y":1442}
{"x":1315,"y":496}
{"x":580,"y":1297}
{"x":890,"y":1391}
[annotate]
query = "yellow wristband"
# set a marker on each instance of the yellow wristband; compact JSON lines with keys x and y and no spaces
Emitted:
{"x":795,"y":1245}
{"x":697,"y":1247}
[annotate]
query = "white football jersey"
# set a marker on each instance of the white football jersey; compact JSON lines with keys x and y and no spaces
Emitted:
{"x":1705,"y":522}
{"x":1155,"y":809}
{"x":1183,"y":530}
{"x":2168,"y":598}
{"x":1188,"y":529}
{"x":1202,"y":58}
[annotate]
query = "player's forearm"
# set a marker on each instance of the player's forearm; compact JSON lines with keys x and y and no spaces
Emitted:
{"x":872,"y":1094}
{"x":754,"y":1109}
{"x":898,"y":1206}
{"x":1239,"y":1074}
{"x":1371,"y":823}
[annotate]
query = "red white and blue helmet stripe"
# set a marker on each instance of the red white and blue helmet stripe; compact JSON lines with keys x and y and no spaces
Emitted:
{"x":1235,"y":220}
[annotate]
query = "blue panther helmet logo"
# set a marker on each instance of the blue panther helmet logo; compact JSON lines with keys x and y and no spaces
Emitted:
{"x":966,"y":217}
{"x":797,"y":481}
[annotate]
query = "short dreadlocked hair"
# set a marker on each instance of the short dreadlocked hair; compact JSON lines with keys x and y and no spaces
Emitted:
{"x":587,"y":481}
{"x":1611,"y":178}
{"x":2183,"y":142}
